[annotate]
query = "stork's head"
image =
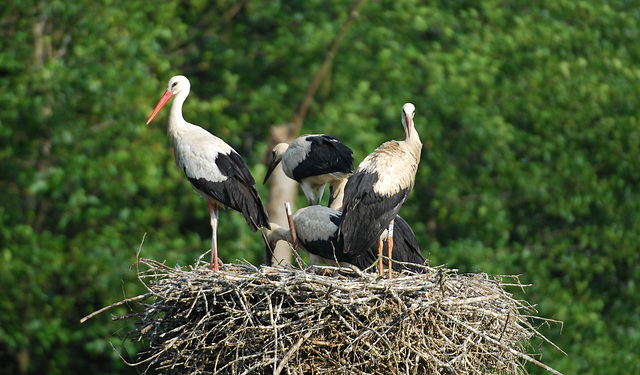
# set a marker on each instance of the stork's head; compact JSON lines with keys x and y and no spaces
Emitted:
{"x":276,"y":233}
{"x":276,"y":158}
{"x":408,"y":111}
{"x":178,"y":85}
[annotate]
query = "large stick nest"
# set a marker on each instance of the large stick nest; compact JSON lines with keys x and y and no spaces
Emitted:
{"x":248,"y":320}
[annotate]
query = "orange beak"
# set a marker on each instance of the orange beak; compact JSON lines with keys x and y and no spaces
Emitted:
{"x":165,"y":98}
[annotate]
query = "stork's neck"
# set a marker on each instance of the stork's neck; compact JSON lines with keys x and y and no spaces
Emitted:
{"x":279,"y":234}
{"x":413,"y":141}
{"x":337,"y":194}
{"x":175,"y":115}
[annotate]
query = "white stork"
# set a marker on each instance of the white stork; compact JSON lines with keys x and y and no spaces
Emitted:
{"x":317,"y":232}
{"x":314,"y":161}
{"x":379,"y":187}
{"x":214,"y":169}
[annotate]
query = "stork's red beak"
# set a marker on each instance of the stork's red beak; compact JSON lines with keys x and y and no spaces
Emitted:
{"x":165,"y":98}
{"x":409,"y":124}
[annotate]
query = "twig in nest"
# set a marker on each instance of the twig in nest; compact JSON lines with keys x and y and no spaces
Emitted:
{"x":120,"y":303}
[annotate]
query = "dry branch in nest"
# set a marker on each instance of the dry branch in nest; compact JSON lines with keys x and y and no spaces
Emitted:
{"x":248,"y":320}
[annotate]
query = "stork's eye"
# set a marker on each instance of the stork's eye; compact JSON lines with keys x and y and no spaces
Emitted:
{"x":174,"y":85}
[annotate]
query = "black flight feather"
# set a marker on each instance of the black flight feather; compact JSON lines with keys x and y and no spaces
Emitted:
{"x":326,"y":155}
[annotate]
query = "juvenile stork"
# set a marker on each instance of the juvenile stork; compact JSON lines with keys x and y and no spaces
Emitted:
{"x":317,"y":232}
{"x":376,"y":191}
{"x":214,"y":169}
{"x":314,"y":161}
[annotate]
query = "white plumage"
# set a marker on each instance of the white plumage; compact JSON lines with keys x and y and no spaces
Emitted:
{"x":399,"y":163}
{"x":195,"y":148}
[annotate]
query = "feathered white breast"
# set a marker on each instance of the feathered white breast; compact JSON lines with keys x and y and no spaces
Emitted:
{"x":196,"y":151}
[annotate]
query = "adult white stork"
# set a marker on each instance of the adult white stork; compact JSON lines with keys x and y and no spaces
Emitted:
{"x":214,"y":169}
{"x":379,"y":187}
{"x":317,"y":232}
{"x":314,"y":161}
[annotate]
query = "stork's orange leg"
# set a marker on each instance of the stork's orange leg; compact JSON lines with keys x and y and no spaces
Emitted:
{"x":390,"y":246}
{"x":380,"y":245}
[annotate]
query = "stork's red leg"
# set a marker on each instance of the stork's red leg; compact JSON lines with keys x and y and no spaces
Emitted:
{"x":213,"y":211}
{"x":380,"y":245}
{"x":390,"y":245}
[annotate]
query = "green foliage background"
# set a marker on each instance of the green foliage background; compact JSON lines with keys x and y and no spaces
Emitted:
{"x":527,"y":111}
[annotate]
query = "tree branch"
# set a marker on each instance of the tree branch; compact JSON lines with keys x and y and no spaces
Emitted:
{"x":298,"y":120}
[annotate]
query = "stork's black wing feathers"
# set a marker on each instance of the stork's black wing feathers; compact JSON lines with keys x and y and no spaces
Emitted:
{"x":328,"y":248}
{"x":366,"y":214}
{"x":326,"y":155}
{"x":233,"y":165}
{"x":237,"y":191}
{"x":405,"y":250}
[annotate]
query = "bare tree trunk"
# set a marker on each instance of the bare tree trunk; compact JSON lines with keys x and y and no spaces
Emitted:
{"x":281,"y":188}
